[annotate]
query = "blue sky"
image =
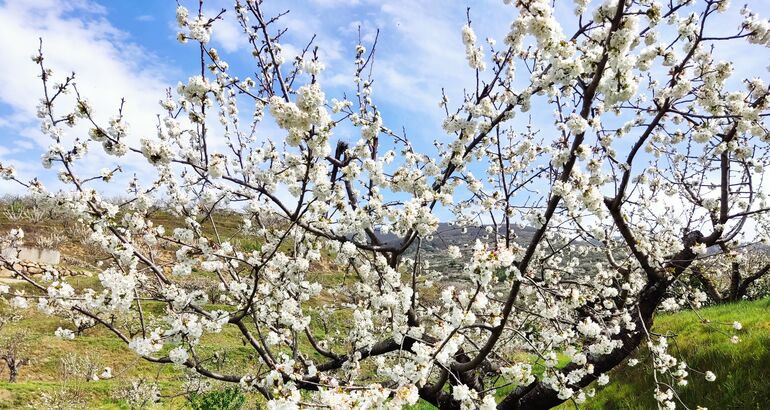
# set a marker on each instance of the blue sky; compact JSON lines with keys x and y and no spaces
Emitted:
{"x":129,"y":49}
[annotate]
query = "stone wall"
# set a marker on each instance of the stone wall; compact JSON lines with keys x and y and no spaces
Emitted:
{"x":33,"y":268}
{"x":36,"y":255}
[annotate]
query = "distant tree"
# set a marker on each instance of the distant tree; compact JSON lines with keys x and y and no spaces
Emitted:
{"x":15,"y":352}
{"x":655,"y":154}
{"x":730,"y":277}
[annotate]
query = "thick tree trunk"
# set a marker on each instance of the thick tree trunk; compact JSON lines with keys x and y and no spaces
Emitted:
{"x":540,"y":396}
{"x":743,"y":289}
{"x":739,"y":286}
{"x":708,"y":285}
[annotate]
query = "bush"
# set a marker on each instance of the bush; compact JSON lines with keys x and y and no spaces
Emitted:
{"x":226,"y":399}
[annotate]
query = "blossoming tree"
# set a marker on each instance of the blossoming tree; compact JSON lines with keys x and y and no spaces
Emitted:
{"x":654,"y":157}
{"x":734,"y":276}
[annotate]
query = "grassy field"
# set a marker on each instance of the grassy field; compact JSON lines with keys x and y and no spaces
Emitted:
{"x":740,"y":384}
{"x":46,"y":372}
{"x":742,"y":381}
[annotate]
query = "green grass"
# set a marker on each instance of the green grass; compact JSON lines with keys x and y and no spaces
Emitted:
{"x":96,"y":395}
{"x":741,"y":382}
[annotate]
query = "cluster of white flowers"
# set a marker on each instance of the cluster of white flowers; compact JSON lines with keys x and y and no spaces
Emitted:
{"x":576,"y":124}
{"x":520,"y":374}
{"x":178,"y":355}
{"x":469,"y":398}
{"x":217,"y":165}
{"x":197,"y":88}
{"x":66,"y":334}
{"x":474,"y":55}
{"x":146,"y":346}
{"x":313,"y":67}
{"x":199,"y":28}
{"x":758,"y":28}
{"x":7,"y":171}
{"x":298,"y":118}
{"x":156,"y":152}
{"x":454,"y":252}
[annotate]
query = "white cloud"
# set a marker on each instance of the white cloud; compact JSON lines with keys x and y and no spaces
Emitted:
{"x":367,"y":29}
{"x":77,"y":37}
{"x":335,"y":3}
{"x":228,"y":34}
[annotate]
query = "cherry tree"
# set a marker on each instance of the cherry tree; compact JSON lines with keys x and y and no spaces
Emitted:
{"x":654,"y":157}
{"x":733,"y":276}
{"x":15,"y":352}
